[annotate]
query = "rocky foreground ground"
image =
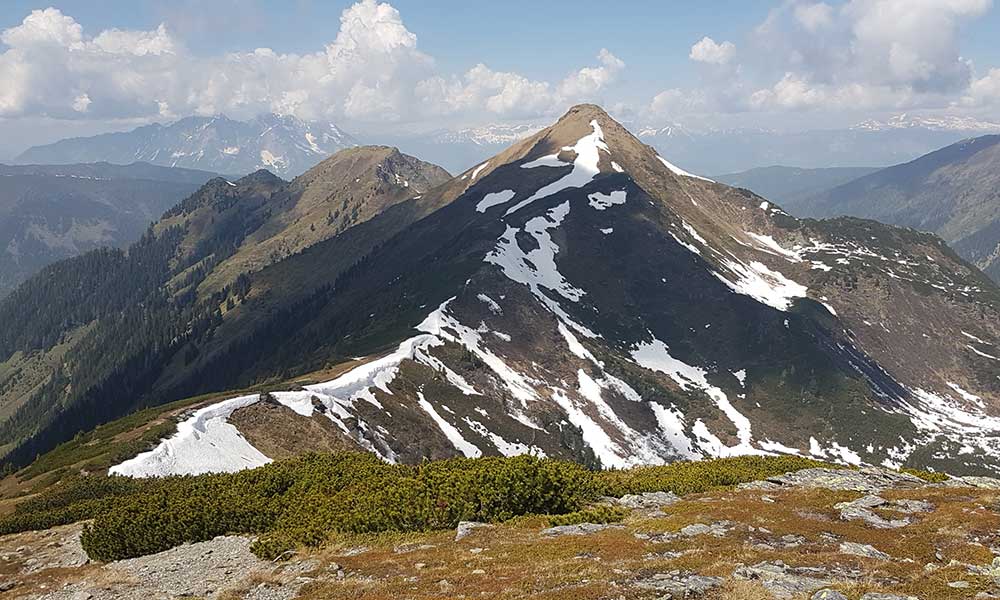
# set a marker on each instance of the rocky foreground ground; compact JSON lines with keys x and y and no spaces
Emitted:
{"x":820,"y":534}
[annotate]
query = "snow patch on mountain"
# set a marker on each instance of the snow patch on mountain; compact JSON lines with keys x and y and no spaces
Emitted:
{"x":599,"y":201}
{"x":494,"y":199}
{"x":204,"y":443}
{"x":454,"y":435}
{"x":655,"y":356}
{"x":679,"y":171}
{"x":762,"y":284}
{"x":585,"y":166}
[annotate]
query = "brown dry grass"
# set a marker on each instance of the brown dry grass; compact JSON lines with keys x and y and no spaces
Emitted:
{"x":513,"y":562}
{"x":518,"y":563}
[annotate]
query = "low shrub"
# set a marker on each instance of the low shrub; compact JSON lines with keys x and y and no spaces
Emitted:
{"x":601,"y":513}
{"x":928,"y":476}
{"x":691,"y":477}
{"x":302,"y":501}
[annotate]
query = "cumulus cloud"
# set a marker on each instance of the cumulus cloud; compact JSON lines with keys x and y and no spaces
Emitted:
{"x":846,"y":56}
{"x":707,"y":50}
{"x":591,"y":80}
{"x":984,"y":91}
{"x":877,"y":52}
{"x":814,"y":17}
{"x":513,"y":95}
{"x":372,"y":70}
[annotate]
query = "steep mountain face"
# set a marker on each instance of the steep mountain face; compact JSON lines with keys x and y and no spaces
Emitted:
{"x":48,"y":213}
{"x":97,"y":336}
{"x":875,"y":143}
{"x":281,"y":144}
{"x":579,"y":296}
{"x":791,"y":185}
{"x":954,"y":192}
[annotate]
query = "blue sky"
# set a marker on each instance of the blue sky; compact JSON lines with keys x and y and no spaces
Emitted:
{"x":75,"y":67}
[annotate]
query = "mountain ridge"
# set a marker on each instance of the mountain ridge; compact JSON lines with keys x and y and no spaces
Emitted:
{"x":282,"y":143}
{"x":577,"y":296}
{"x":951,"y":191}
{"x":659,"y":368}
{"x":52,"y":212}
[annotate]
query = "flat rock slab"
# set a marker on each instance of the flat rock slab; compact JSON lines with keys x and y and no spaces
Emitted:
{"x":868,"y":479}
{"x":719,"y":529}
{"x":647,"y":500}
{"x":861,"y":510}
{"x":678,"y":585}
{"x":579,"y":529}
{"x":784,"y":582}
{"x":987,"y":483}
{"x":863,"y":550}
{"x":828,"y":595}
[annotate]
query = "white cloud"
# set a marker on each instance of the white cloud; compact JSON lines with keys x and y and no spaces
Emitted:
{"x":984,"y":91}
{"x":371,"y":71}
{"x":676,"y":102}
{"x":591,"y":80}
{"x":81,"y":103}
{"x":45,"y":27}
{"x":814,"y":16}
{"x":707,"y":50}
{"x":513,"y":95}
{"x":849,"y":56}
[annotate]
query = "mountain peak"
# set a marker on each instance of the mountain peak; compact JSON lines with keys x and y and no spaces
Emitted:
{"x":260,"y":176}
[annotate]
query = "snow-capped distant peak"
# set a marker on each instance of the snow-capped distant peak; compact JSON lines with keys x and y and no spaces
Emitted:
{"x":284,"y":144}
{"x":490,"y":135}
{"x":669,"y":130}
{"x":942,"y":123}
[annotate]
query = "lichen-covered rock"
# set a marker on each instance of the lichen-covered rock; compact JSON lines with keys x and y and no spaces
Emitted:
{"x":988,"y":483}
{"x":718,"y":529}
{"x":868,"y":479}
{"x":784,"y":582}
{"x":465,"y":528}
{"x":828,"y":595}
{"x":860,"y":510}
{"x":647,"y":500}
{"x":578,"y":529}
{"x":677,"y":584}
{"x":863,"y":550}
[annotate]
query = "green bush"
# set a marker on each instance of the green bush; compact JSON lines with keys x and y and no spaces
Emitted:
{"x":601,"y":513}
{"x":691,"y":477}
{"x":302,"y":501}
{"x":928,"y":476}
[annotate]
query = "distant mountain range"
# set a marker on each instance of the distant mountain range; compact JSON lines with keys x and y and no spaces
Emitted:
{"x":789,"y":186}
{"x":288,"y":146}
{"x":872,"y":143}
{"x":48,"y":213}
{"x":459,"y":149}
{"x":282,"y":144}
{"x":576,"y":295}
{"x":954,"y":192}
